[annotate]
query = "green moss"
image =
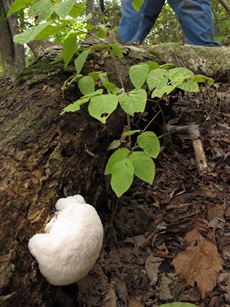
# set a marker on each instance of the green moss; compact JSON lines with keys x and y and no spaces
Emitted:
{"x":100,"y":47}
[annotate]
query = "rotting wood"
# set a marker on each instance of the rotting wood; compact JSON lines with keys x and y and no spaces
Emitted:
{"x":194,"y":134}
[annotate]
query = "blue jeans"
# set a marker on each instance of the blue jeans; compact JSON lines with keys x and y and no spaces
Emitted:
{"x":195,"y":17}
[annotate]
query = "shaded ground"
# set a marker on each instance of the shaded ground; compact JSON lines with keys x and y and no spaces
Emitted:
{"x":151,"y":221}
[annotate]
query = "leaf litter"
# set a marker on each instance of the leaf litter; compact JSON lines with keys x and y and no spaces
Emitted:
{"x":200,"y":263}
{"x":170,"y":242}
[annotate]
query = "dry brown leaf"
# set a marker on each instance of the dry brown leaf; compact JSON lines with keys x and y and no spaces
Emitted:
{"x":200,"y":263}
{"x":133,"y":302}
{"x":151,"y":267}
{"x":224,"y":285}
{"x":110,"y":299}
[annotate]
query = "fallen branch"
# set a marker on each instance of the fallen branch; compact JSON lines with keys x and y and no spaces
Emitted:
{"x":194,"y":133}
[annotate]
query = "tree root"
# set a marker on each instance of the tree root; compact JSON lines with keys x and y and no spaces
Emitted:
{"x":194,"y":133}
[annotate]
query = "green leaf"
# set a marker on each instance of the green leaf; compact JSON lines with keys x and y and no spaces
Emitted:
{"x":95,"y":75}
{"x":144,"y":167}
{"x":69,"y":48}
{"x":111,"y":88}
{"x":134,"y":101}
{"x":77,"y":10}
{"x":114,"y":145}
{"x":100,"y":107}
{"x":96,"y":93}
{"x":180,"y":74}
{"x":30,"y":34}
{"x":189,"y":86}
{"x":117,"y":156}
{"x":102,"y":31}
{"x":130,"y":132}
{"x":122,"y":176}
{"x":103,"y":76}
{"x":17,"y":5}
{"x":167,"y":66}
{"x":137,"y":4}
{"x":42,"y":10}
{"x":204,"y":79}
{"x":73,"y":107}
{"x":149,"y":142}
{"x":117,"y":51}
{"x":162,"y":90}
{"x":157,"y":77}
{"x":50,"y":30}
{"x":153,"y":65}
{"x":178,"y":304}
{"x":62,"y":9}
{"x":89,"y":26}
{"x":86,"y":85}
{"x":80,"y":60}
{"x":138,"y":74}
{"x":70,"y":80}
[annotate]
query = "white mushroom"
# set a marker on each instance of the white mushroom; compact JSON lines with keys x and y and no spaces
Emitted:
{"x":71,"y":244}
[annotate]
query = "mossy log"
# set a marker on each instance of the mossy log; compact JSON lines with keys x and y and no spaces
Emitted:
{"x":213,"y":62}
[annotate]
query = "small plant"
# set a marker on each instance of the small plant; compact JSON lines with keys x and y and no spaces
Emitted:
{"x":138,"y":159}
{"x":160,"y":80}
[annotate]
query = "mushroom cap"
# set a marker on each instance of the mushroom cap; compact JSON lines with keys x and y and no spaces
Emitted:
{"x":71,"y":244}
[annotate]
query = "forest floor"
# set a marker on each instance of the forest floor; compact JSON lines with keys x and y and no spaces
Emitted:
{"x":185,"y":211}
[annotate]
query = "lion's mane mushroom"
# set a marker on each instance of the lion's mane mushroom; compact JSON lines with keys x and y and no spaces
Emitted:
{"x":71,"y":244}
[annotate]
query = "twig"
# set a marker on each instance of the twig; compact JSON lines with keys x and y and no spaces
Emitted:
{"x":194,"y":133}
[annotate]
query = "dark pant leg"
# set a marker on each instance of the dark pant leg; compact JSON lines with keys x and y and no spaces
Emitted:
{"x":195,"y":17}
{"x":135,"y":26}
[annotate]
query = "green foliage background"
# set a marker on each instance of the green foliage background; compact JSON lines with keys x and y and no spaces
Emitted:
{"x":166,"y":29}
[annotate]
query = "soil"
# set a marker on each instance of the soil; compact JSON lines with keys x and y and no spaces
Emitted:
{"x":145,"y":229}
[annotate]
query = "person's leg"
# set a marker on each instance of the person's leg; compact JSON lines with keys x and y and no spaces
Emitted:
{"x":135,"y":26}
{"x":130,"y":22}
{"x":195,"y":17}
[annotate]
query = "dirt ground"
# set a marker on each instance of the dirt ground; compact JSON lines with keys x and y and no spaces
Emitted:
{"x":148,"y":225}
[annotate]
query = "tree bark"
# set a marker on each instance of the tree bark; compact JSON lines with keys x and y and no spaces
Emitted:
{"x":6,"y":42}
{"x":45,"y":156}
{"x":13,"y":55}
{"x":214,"y":62}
